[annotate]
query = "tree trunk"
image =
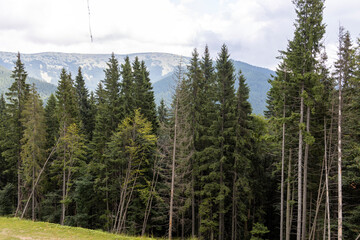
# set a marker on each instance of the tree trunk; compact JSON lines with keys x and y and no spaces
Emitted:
{"x":282,"y":177}
{"x":340,"y":235}
{"x":298,"y":229}
{"x":173,"y":171}
{"x":37,"y":180}
{"x":306,"y":157}
{"x":327,"y":184}
{"x":33,"y":195}
{"x":234,"y":210}
{"x":149,"y":202}
{"x":63,"y":189}
{"x":193,"y":217}
{"x":19,"y":193}
{"x":288,"y":222}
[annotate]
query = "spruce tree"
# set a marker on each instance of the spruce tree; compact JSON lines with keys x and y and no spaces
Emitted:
{"x":148,"y":105}
{"x":162,"y":112}
{"x":68,"y":116}
{"x":52,"y":123}
{"x":82,"y":95}
{"x":16,"y":97}
{"x":207,"y":150}
{"x":127,"y":88}
{"x":127,"y":154}
{"x":33,"y":142}
{"x":3,"y":165}
{"x":112,"y":92}
{"x":242,"y":161}
{"x":225,"y":127}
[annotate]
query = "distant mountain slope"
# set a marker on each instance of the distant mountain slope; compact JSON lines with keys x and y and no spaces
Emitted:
{"x":256,"y":78}
{"x":47,"y":67}
{"x":43,"y":88}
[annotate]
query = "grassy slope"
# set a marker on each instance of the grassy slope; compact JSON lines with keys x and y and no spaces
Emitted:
{"x":14,"y":228}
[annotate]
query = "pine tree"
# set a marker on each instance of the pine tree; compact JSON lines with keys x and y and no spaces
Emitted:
{"x":68,"y":117}
{"x":127,"y":88}
{"x":112,"y":92}
{"x":225,"y":127}
{"x":148,"y":103}
{"x":300,"y":58}
{"x":33,"y":142}
{"x":82,"y":95}
{"x":241,"y":168}
{"x":127,"y":154}
{"x":207,"y":150}
{"x":3,"y":120}
{"x":52,"y":123}
{"x":97,"y":167}
{"x":162,"y":112}
{"x":16,"y":97}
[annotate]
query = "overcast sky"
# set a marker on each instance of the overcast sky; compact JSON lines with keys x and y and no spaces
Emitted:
{"x":254,"y":30}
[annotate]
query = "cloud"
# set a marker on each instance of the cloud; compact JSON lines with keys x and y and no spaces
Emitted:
{"x":253,"y":29}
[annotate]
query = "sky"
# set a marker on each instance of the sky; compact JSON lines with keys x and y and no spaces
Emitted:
{"x":253,"y":30}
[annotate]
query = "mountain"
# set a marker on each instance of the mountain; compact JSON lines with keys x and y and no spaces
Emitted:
{"x":256,"y":78}
{"x":44,"y":89}
{"x":47,"y":67}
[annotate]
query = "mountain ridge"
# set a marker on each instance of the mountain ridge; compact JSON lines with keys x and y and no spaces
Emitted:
{"x":47,"y":66}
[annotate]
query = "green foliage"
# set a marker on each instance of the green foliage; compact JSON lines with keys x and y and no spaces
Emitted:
{"x":52,"y":123}
{"x":85,"y":115}
{"x":7,"y":199}
{"x":67,"y":108}
{"x":34,"y":138}
{"x":258,"y":231}
{"x":127,"y":87}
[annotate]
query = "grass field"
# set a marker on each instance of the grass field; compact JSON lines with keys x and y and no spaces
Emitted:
{"x":14,"y":228}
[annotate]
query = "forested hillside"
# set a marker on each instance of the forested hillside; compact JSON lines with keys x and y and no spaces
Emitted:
{"x":203,"y":166}
{"x":44,"y":89}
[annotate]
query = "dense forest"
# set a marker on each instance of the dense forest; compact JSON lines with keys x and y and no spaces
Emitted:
{"x":204,"y":167}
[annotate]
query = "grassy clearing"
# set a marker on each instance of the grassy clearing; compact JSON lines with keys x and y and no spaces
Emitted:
{"x":14,"y":228}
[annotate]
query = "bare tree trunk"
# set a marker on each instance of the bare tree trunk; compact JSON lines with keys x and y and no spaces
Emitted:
{"x":19,"y":192}
{"x":63,"y":188}
{"x":298,"y":229}
{"x":173,"y":170}
{"x":288,"y":222}
{"x":182,"y":226}
{"x":321,"y":190}
{"x":149,"y":202}
{"x":33,"y":195}
{"x":193,"y":217}
{"x":327,"y":184}
{"x":37,"y":180}
{"x":234,"y":210}
{"x":304,"y":201}
{"x":282,"y":176}
{"x":340,"y":234}
{"x":292,"y":206}
{"x":358,"y":237}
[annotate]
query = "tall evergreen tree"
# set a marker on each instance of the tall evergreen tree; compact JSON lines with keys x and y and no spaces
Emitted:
{"x":3,"y":165}
{"x":207,"y":150}
{"x":242,"y":165}
{"x":82,"y":95}
{"x":33,"y":142}
{"x":127,"y":87}
{"x":52,"y":123}
{"x":225,"y":127}
{"x":301,"y":60}
{"x":16,"y":97}
{"x":68,"y":115}
{"x":112,"y":92}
